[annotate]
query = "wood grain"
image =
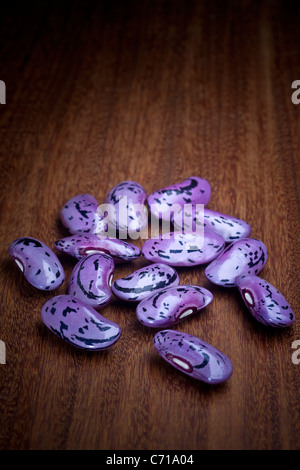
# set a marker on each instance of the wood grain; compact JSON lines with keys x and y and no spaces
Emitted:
{"x":154,"y":91}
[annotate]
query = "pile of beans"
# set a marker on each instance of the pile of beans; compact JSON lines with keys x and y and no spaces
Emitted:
{"x":232,"y":258}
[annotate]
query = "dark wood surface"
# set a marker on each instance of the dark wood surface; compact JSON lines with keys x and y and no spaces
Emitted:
{"x":98,"y":92}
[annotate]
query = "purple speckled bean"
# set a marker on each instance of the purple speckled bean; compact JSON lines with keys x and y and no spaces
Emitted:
{"x":83,"y":245}
{"x":245,"y":256}
{"x":193,"y":356}
{"x":193,"y":190}
{"x":230,"y":228}
{"x":264,"y":301}
{"x":79,"y":324}
{"x":143,"y":282}
{"x":171,"y":305}
{"x":91,"y":279}
{"x":81,"y":215}
{"x":131,"y":216}
{"x":38,"y":263}
{"x":183,"y":249}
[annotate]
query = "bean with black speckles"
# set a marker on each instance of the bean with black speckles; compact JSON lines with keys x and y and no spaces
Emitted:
{"x":81,"y":214}
{"x":183,"y":249}
{"x":91,"y":279}
{"x":193,"y":190}
{"x":38,"y":263}
{"x":230,"y":228}
{"x":81,"y":245}
{"x":79,"y":324}
{"x":171,"y":305}
{"x":143,"y":282}
{"x":265,"y":302}
{"x":132,"y":217}
{"x":193,"y":356}
{"x":245,"y":256}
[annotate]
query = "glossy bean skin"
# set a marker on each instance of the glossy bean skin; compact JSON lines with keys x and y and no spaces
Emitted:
{"x":193,"y":190}
{"x":143,"y":282}
{"x":81,"y":245}
{"x":183,"y":249}
{"x":91,"y":279}
{"x":128,"y":199}
{"x":228,"y":227}
{"x":79,"y":324}
{"x":245,"y":256}
{"x":172,"y":305}
{"x":193,"y":356}
{"x":38,"y":263}
{"x":265,"y":303}
{"x":80,"y":214}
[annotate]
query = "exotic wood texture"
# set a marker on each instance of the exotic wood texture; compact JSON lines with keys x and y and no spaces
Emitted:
{"x":153,"y":91}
